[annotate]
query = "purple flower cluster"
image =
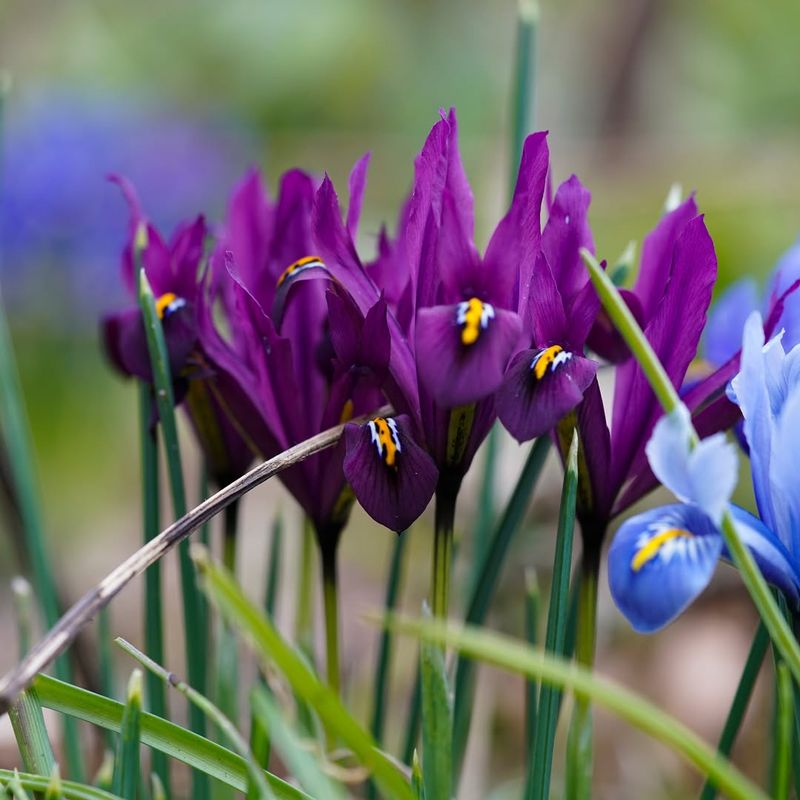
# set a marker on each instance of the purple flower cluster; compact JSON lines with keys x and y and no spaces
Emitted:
{"x":277,"y":329}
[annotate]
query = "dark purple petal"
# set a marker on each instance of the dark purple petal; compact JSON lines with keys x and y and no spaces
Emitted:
{"x":391,"y":475}
{"x":546,"y":319}
{"x":357,"y":184}
{"x":540,"y":388}
{"x":187,"y":247}
{"x":657,"y":254}
{"x":124,"y":343}
{"x":674,"y":333}
{"x":463,"y":349}
{"x":595,"y":500}
{"x":308,"y":268}
{"x":605,"y":340}
{"x":566,"y":232}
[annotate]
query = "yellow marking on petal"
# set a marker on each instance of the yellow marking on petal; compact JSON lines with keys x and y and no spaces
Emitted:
{"x":472,"y":321}
{"x":545,"y":359}
{"x":385,"y":437}
{"x":651,"y":549}
{"x":308,"y":261}
{"x":347,"y":412}
{"x":164,"y":302}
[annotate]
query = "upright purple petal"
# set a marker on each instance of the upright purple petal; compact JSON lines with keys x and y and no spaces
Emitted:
{"x":357,"y":183}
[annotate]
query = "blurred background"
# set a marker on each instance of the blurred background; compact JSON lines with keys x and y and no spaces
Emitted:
{"x":636,"y":94}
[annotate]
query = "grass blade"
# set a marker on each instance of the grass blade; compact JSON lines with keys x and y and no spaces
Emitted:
{"x":741,"y":699}
{"x":540,"y":762}
{"x":179,"y":743}
{"x":54,"y":791}
{"x":532,"y":603}
{"x":223,"y":723}
{"x":414,"y":720}
{"x":300,"y":763}
{"x":483,"y":590}
{"x":417,"y":782}
{"x":153,"y":604}
{"x":272,"y":648}
{"x":524,"y":80}
{"x":30,"y":732}
{"x":195,"y":633}
{"x":17,"y":437}
{"x":126,"y":764}
{"x":437,"y":730}
{"x":39,"y":783}
{"x":22,"y":595}
{"x":274,"y":567}
{"x":781,"y":760}
{"x":519,"y":658}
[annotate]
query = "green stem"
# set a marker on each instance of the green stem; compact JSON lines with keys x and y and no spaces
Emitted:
{"x":524,"y":80}
{"x":414,"y":720}
{"x":486,"y":506}
{"x":153,"y":606}
{"x":446,"y":494}
{"x":532,"y":603}
{"x":741,"y":699}
{"x":30,"y":732}
{"x":778,"y":627}
{"x":330,"y":594}
{"x":579,"y":744}
{"x":781,"y":769}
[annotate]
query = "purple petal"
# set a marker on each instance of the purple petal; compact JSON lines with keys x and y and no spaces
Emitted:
{"x":463,"y":349}
{"x":357,"y":184}
{"x":391,"y":475}
{"x":540,"y":388}
{"x":605,"y":340}
{"x":547,"y":320}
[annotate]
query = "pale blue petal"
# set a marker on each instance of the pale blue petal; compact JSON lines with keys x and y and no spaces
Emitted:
{"x":722,"y":338}
{"x":786,"y":272}
{"x":772,"y":557}
{"x":659,"y":562}
{"x":784,"y":472}
{"x":704,"y":475}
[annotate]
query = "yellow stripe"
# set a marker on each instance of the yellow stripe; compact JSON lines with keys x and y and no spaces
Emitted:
{"x":546,"y":358}
{"x":651,"y":549}
{"x":164,"y":302}
{"x":472,"y":322}
{"x":303,"y":262}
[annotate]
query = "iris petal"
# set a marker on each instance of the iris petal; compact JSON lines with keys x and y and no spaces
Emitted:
{"x":461,"y":362}
{"x":659,"y":562}
{"x":539,"y":389}
{"x":391,"y":475}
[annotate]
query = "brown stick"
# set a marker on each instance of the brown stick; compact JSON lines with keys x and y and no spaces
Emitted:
{"x":66,"y":629}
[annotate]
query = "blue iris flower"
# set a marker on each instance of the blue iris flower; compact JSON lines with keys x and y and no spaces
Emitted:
{"x":662,"y":559}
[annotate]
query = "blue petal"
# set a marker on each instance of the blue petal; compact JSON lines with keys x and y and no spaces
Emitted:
{"x":786,"y":272}
{"x":660,"y":561}
{"x":773,"y":559}
{"x":704,"y":475}
{"x":784,"y":475}
{"x":723,"y":335}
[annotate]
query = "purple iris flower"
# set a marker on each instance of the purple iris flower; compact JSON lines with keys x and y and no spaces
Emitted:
{"x":452,"y":315}
{"x":307,"y":353}
{"x":546,"y":381}
{"x":662,"y":559}
{"x":174,"y":270}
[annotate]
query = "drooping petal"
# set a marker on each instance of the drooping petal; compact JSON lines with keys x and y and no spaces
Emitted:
{"x":391,"y":475}
{"x":722,"y":338}
{"x":704,"y":475}
{"x":540,"y":387}
{"x":462,"y":350}
{"x":659,"y":562}
{"x":772,"y":557}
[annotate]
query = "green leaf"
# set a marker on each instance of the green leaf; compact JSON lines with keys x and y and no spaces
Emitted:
{"x":417,"y":782}
{"x":437,"y":723}
{"x":194,"y":620}
{"x":126,"y":764}
{"x":54,"y":791}
{"x":540,"y":762}
{"x":272,"y":648}
{"x":524,"y":80}
{"x":781,"y":760}
{"x":202,"y":754}
{"x":484,"y":587}
{"x":39,"y":783}
{"x":744,"y":691}
{"x":30,"y":732}
{"x":520,"y":658}
{"x":294,"y":753}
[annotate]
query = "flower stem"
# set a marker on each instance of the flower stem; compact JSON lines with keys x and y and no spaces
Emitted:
{"x":579,"y":743}
{"x":446,"y":494}
{"x":779,"y":630}
{"x":330,"y":595}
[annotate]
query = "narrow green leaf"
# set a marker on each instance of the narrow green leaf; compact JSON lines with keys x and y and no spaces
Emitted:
{"x":104,"y":779}
{"x":414,"y":719}
{"x":524,"y":79}
{"x":55,"y":790}
{"x":741,"y":699}
{"x":293,"y":752}
{"x":417,"y":781}
{"x":518,"y":657}
{"x":15,"y":433}
{"x":126,"y":764}
{"x":157,"y":790}
{"x":540,"y":761}
{"x":195,"y":622}
{"x":179,"y":743}
{"x":153,"y":604}
{"x":486,"y":505}
{"x":30,"y":732}
{"x":274,"y":567}
{"x":22,"y":595}
{"x":18,"y":790}
{"x":782,"y":767}
{"x":223,"y":723}
{"x":623,"y":319}
{"x":272,"y":648}
{"x":38,"y":783}
{"x":437,"y":730}
{"x":532,"y":603}
{"x":484,"y":587}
